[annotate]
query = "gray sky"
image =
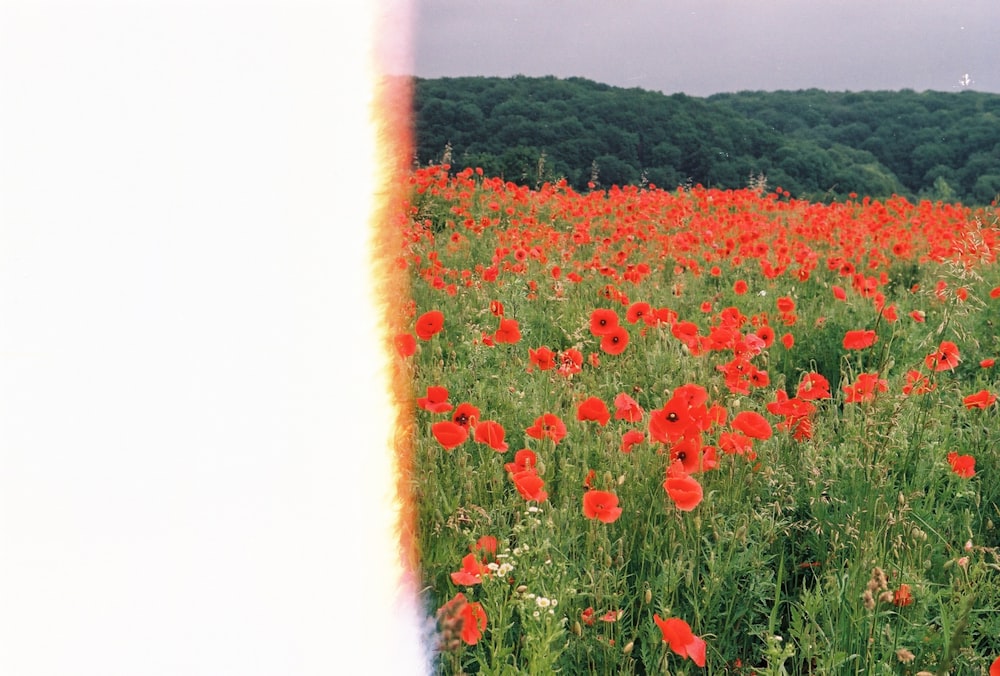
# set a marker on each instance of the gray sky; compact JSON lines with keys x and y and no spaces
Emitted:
{"x":701,"y":47}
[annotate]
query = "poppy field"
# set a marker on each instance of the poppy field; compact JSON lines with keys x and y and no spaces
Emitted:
{"x":700,"y":431}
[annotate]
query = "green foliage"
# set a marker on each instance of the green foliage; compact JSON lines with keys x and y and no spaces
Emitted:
{"x":816,"y":144}
{"x":776,"y":567}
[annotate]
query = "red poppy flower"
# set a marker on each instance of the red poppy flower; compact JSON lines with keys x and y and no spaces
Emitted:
{"x":995,"y":667}
{"x":734,"y":443}
{"x":587,"y":616}
{"x":472,"y":571}
{"x":593,"y":409}
{"x":682,"y":489}
{"x":449,"y":434}
{"x":630,"y":439}
{"x":944,"y":358}
{"x":637,"y":311}
{"x":487,"y":544}
{"x":602,"y":321}
{"x":740,"y":287}
{"x":918,"y":315}
{"x":543,"y":358}
{"x":962,"y":465}
{"x":752,"y":424}
{"x":981,"y":399}
{"x":839,"y":293}
{"x":865,"y":388}
{"x":902,"y":597}
{"x":530,"y":486}
{"x":524,"y":459}
{"x":547,"y":425}
{"x":814,"y":386}
{"x":589,"y":479}
{"x":601,"y":505}
{"x":469,"y":617}
{"x":570,"y":362}
{"x":788,"y":340}
{"x":491,"y":433}
{"x":627,"y":408}
{"x":987,"y":363}
{"x":785,"y":304}
{"x":428,"y":324}
{"x":995,"y":292}
{"x":406,"y":344}
{"x":678,"y":634}
{"x":436,"y":400}
{"x":465,"y":414}
{"x":615,"y":340}
{"x":859,"y":340}
{"x":496,"y":307}
{"x":917,"y":383}
{"x":508,"y":332}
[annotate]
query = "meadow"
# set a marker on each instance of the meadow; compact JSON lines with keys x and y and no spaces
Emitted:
{"x":701,"y":431}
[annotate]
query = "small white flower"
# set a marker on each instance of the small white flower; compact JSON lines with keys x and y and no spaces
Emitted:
{"x":493,"y":566}
{"x":543,"y":602}
{"x":762,"y":293}
{"x":534,"y":509}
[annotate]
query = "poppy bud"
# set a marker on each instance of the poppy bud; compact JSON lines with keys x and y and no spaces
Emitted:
{"x":648,"y":596}
{"x":627,"y":650}
{"x":577,"y":629}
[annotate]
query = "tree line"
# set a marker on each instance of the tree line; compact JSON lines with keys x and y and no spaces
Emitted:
{"x":816,"y":144}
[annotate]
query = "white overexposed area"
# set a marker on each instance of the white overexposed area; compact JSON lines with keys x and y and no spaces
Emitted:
{"x":194,"y":461}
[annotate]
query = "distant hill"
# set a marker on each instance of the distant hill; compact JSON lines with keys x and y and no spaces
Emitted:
{"x":815,"y":144}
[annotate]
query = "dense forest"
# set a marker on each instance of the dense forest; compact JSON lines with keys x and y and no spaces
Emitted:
{"x":816,"y":144}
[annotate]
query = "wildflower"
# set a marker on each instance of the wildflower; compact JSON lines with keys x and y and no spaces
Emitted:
{"x":449,"y":434}
{"x":995,"y":667}
{"x":962,"y":465}
{"x":752,"y":424}
{"x":637,"y":311}
{"x":406,"y":344}
{"x":788,"y":340}
{"x":785,"y":304}
{"x":468,"y":618}
{"x":918,"y":316}
{"x":917,"y":383}
{"x":630,"y":439}
{"x":543,"y":358}
{"x":994,"y":294}
{"x":593,"y":409}
{"x":471,"y":573}
{"x":491,"y":433}
{"x":859,"y":340}
{"x":530,"y":486}
{"x":601,"y":505}
{"x":436,"y":400}
{"x":839,"y":293}
{"x":981,"y":399}
{"x":615,"y":340}
{"x":677,"y":633}
{"x":428,"y":324}
{"x":987,"y":363}
{"x":682,"y":489}
{"x":587,"y":616}
{"x":602,"y":321}
{"x":496,"y":307}
{"x":740,"y":287}
{"x":814,"y":386}
{"x":486,"y":544}
{"x":902,"y":597}
{"x":570,"y":362}
{"x":944,"y":358}
{"x":865,"y":388}
{"x":525,"y":459}
{"x":466,"y":415}
{"x":547,"y":425}
{"x":508,"y":332}
{"x":627,"y":408}
{"x":611,"y":616}
{"x":905,"y":656}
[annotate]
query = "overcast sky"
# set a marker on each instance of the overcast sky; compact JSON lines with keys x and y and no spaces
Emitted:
{"x":702,"y":47}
